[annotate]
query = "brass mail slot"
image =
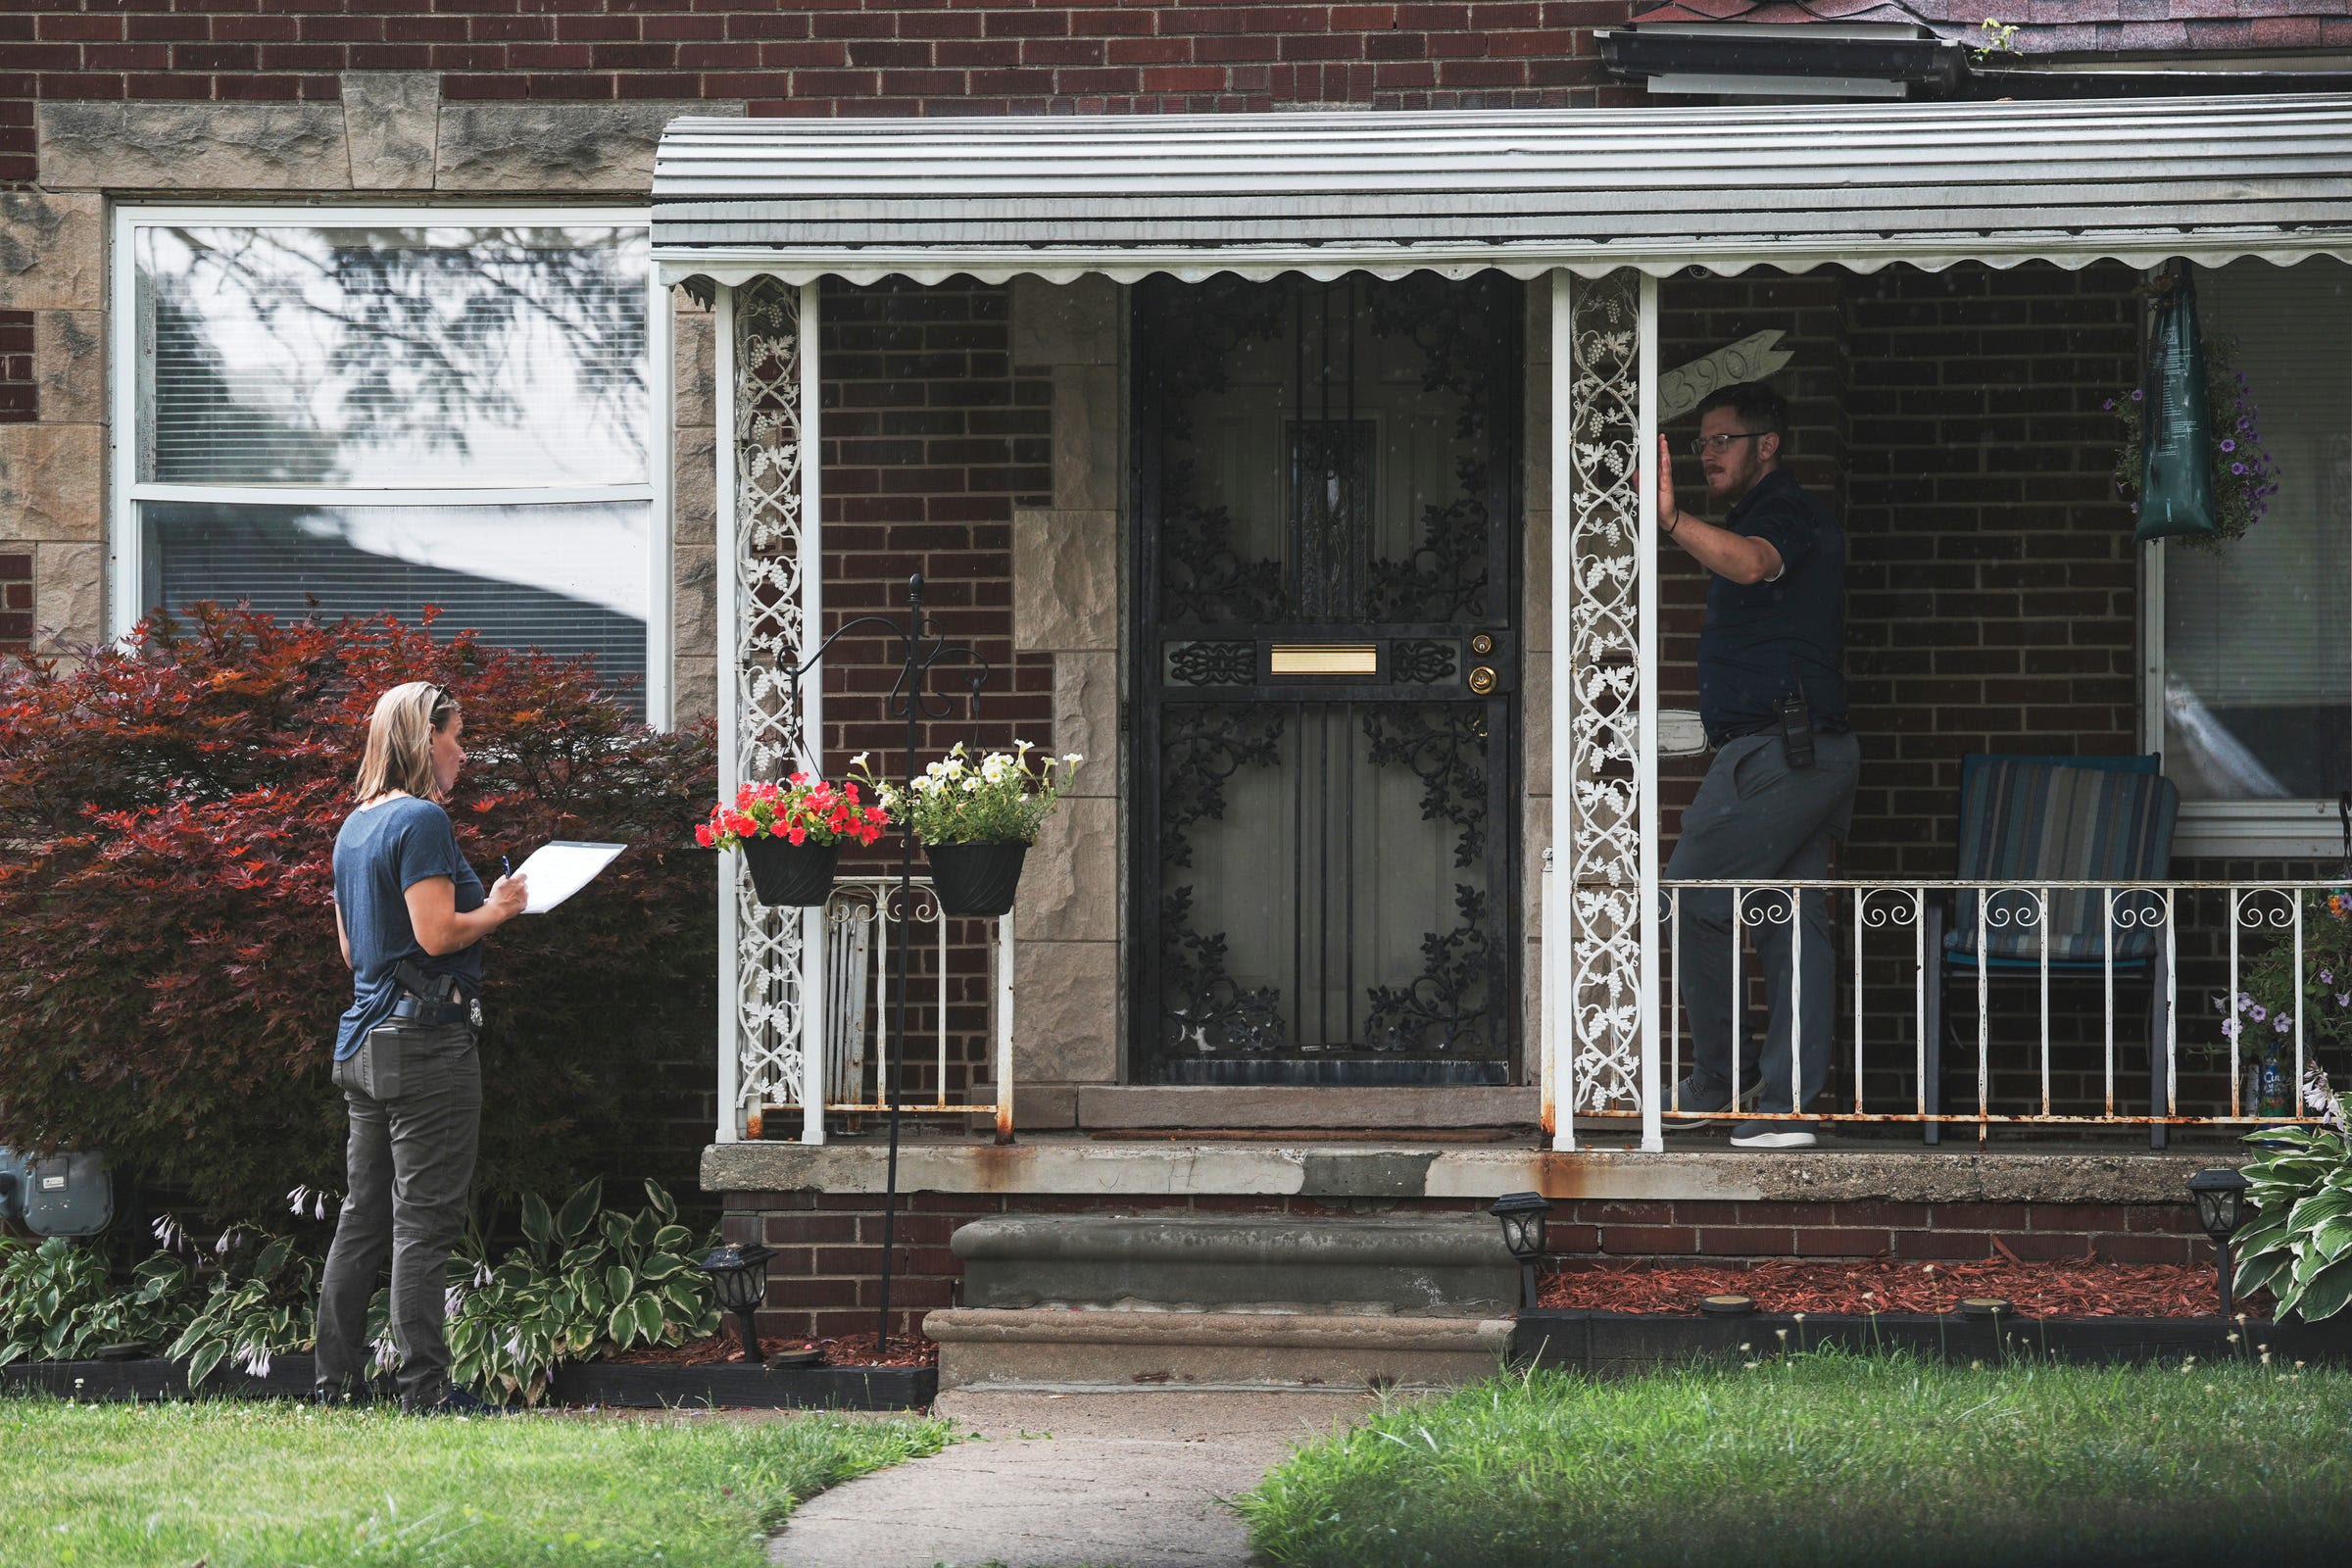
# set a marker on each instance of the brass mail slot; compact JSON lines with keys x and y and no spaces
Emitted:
{"x":1324,"y":658}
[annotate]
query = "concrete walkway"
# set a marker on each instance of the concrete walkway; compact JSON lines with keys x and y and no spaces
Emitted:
{"x":1067,"y":1480}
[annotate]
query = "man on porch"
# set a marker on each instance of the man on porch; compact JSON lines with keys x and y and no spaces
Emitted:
{"x":1772,"y":695}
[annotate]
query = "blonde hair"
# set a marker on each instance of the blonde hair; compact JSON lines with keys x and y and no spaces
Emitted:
{"x":400,"y":741}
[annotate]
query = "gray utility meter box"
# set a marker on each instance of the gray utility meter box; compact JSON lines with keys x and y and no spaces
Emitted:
{"x":56,"y":1194}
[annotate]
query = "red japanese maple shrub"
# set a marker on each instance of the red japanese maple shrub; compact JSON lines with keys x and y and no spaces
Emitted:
{"x":169,"y":975}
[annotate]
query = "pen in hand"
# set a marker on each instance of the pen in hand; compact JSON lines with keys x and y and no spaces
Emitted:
{"x":506,"y":865}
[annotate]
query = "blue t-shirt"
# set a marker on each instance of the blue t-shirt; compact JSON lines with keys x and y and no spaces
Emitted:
{"x":381,"y":853}
{"x":1768,"y":640}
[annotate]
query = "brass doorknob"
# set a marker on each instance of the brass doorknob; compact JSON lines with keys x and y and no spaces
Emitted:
{"x":1481,"y":644}
{"x":1482,"y":680}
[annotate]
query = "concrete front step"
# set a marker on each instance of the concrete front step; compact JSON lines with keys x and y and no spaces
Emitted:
{"x":1438,"y":1264}
{"x":1049,"y":1351}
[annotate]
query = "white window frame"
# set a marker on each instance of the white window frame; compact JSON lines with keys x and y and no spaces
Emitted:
{"x":125,"y":572}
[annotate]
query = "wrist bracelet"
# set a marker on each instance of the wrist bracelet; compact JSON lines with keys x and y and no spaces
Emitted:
{"x":1676,"y":523}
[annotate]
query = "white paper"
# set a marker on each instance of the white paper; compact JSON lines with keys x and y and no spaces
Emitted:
{"x":561,"y":867}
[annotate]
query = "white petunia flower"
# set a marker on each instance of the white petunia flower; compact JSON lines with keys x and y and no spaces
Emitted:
{"x":860,"y":759}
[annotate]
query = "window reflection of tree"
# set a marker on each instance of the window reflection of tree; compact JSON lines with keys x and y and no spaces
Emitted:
{"x":421,"y":337}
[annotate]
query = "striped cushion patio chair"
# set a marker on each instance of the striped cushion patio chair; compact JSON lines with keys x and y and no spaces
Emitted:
{"x":2027,"y":819}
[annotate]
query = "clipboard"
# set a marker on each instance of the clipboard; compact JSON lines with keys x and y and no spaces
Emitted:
{"x":561,"y":867}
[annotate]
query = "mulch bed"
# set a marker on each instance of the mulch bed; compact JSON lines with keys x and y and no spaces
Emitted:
{"x":2032,"y":1289}
{"x":851,"y":1349}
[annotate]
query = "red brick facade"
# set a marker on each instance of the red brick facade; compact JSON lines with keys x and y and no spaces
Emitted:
{"x":16,"y":601}
{"x":826,"y":1277}
{"x":812,"y":57}
{"x":931,"y":436}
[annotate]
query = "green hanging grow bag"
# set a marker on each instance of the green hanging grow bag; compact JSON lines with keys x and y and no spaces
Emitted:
{"x":2176,"y":472}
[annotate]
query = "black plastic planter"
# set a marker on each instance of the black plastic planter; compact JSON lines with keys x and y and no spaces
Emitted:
{"x":788,"y":873}
{"x":977,"y":880}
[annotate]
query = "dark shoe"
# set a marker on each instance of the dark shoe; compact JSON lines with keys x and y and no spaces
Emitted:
{"x":1689,"y":1098}
{"x":1771,"y":1135}
{"x":455,"y":1401}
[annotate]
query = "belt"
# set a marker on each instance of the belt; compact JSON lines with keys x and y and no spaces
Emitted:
{"x":433,"y":1014}
{"x":1717,"y":740}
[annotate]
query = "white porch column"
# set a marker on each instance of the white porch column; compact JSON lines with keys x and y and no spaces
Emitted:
{"x":769,"y":603}
{"x":1605,"y":1009}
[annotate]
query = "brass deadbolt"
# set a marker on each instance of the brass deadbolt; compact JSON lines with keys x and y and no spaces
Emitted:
{"x":1481,"y":644}
{"x":1482,"y":680}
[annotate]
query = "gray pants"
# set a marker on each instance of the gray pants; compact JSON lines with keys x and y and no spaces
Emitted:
{"x":1755,"y":816}
{"x":410,"y":1169}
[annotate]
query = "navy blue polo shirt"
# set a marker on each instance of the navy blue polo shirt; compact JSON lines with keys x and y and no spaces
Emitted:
{"x":381,"y":853}
{"x":1768,"y":640}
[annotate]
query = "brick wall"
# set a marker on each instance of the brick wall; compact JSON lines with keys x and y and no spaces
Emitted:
{"x":826,"y":1278}
{"x":931,"y":438}
{"x":792,"y":56}
{"x":16,"y":602}
{"x":17,"y":402}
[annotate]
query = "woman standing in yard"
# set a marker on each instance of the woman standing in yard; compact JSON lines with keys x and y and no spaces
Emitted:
{"x":410,"y":916}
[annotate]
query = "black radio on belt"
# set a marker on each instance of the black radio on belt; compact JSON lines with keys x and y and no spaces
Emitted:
{"x":1794,"y":717}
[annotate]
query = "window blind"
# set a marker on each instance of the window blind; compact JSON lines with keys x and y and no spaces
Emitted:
{"x":482,"y":566}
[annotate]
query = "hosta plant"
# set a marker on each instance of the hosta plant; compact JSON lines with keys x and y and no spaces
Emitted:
{"x":587,"y":1282}
{"x":58,"y":1301}
{"x":264,"y":1304}
{"x":2299,"y":1242}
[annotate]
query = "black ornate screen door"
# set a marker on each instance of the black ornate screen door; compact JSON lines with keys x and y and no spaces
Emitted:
{"x":1326,"y":584}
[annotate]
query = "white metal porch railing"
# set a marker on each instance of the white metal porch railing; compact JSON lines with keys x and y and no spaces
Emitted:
{"x":2025,"y":958}
{"x":855,"y":973}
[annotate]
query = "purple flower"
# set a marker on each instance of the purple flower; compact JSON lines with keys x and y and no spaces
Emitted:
{"x":2230,"y":1029}
{"x":2238,"y":467}
{"x":2258,"y":1012}
{"x":2109,"y":405}
{"x":2326,"y":977}
{"x":2228,"y":445}
{"x":2282,"y":1023}
{"x":2343,"y":999}
{"x":2137,"y":394}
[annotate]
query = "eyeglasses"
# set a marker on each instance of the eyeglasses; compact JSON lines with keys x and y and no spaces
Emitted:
{"x":1720,"y":444}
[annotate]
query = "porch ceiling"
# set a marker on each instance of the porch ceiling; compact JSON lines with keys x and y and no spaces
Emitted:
{"x":1526,"y":191}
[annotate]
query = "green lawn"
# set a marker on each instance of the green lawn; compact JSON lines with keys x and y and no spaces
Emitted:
{"x":230,"y":1485}
{"x":1823,"y":1460}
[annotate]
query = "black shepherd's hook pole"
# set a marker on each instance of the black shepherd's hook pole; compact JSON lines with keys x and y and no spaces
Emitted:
{"x":922,"y":651}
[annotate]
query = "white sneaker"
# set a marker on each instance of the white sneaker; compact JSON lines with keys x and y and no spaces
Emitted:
{"x":1771,"y":1135}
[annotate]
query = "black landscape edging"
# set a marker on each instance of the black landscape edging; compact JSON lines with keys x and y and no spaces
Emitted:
{"x":600,"y":1383}
{"x":1634,"y":1342}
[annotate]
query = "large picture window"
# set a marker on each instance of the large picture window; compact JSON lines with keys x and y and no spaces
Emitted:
{"x":349,"y":414}
{"x":2250,"y":678}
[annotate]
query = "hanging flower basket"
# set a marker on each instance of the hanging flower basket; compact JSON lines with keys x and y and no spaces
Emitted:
{"x":976,"y":879}
{"x":790,"y":875}
{"x":976,"y":820}
{"x":791,"y":834}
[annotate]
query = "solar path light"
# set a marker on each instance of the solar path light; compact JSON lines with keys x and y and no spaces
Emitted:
{"x":739,"y":1278}
{"x":1522,"y":1215}
{"x":2221,"y":1195}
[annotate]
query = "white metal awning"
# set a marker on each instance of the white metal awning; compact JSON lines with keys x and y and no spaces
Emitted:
{"x":1589,"y":190}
